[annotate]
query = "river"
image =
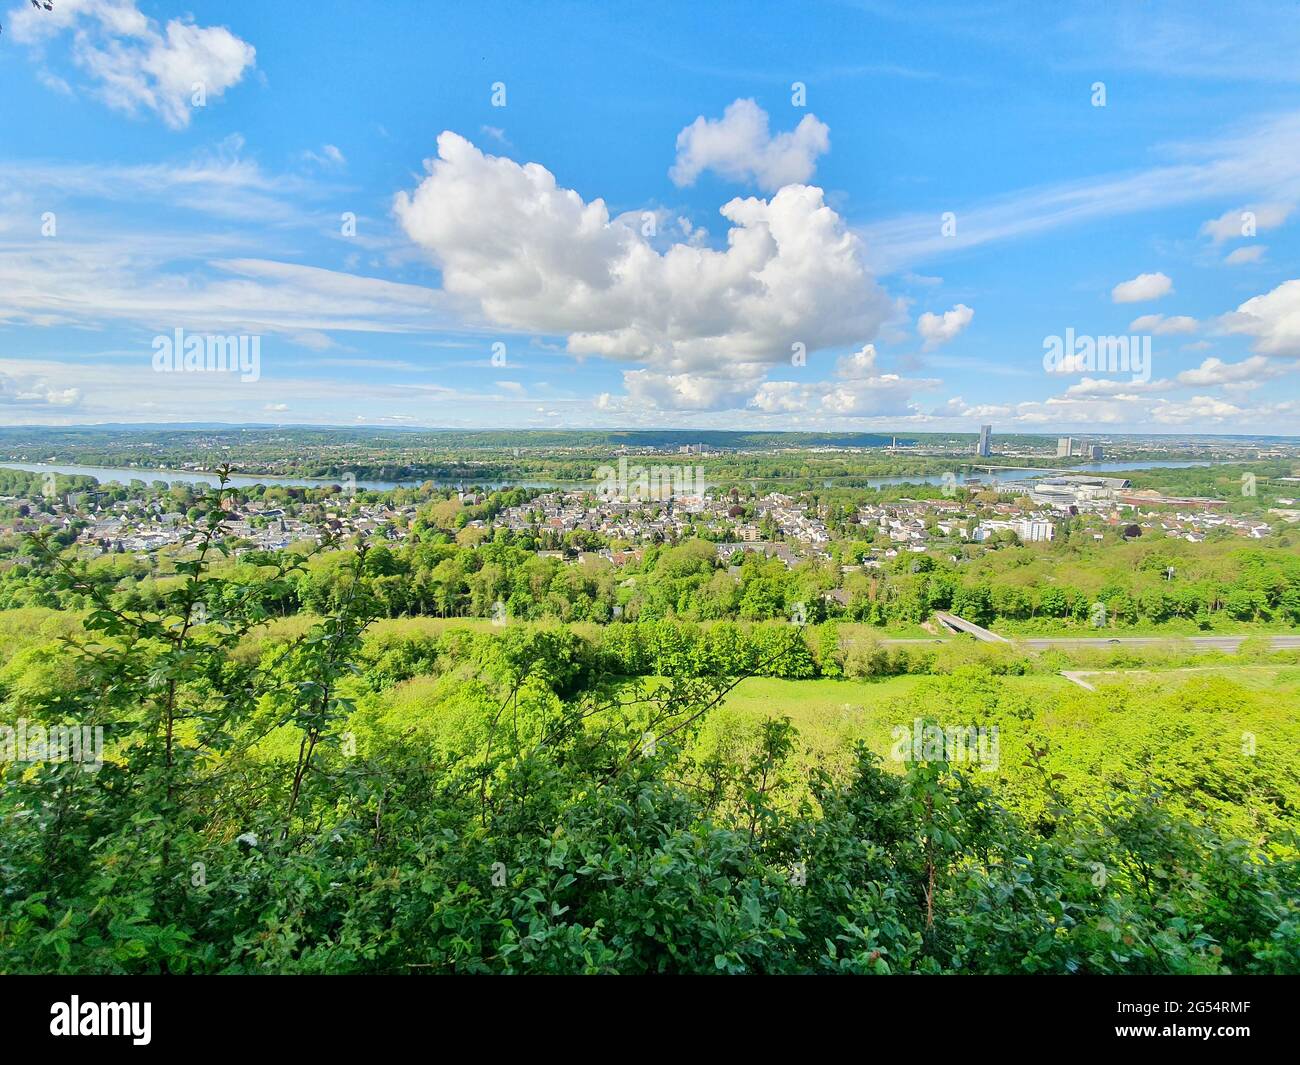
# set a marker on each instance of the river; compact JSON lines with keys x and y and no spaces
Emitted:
{"x":106,"y":474}
{"x":121,"y":475}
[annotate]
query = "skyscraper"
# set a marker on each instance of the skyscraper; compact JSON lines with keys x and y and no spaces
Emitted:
{"x":1064,"y":447}
{"x":984,"y":447}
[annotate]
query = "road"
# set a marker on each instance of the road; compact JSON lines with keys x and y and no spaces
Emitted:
{"x":1218,"y":643}
{"x":1215,"y":643}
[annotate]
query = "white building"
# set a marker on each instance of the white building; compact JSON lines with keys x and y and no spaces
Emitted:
{"x":1029,"y":530}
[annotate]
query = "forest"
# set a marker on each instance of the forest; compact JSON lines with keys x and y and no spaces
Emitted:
{"x":1161,"y":584}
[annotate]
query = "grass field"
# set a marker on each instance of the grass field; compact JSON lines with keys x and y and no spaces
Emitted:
{"x":827,"y":712}
{"x":1220,"y":741}
{"x":1250,"y":677}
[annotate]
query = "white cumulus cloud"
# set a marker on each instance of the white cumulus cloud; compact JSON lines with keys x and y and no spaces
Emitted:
{"x":1247,"y":373}
{"x":739,"y":146}
{"x":1245,"y":221}
{"x":1141,"y":288}
{"x":650,"y":390}
{"x":936,"y":329}
{"x":133,"y":63}
{"x":1162,"y":326}
{"x":1203,"y":409}
{"x":857,"y":390}
{"x":1273,"y":319}
{"x":705,"y":323}
{"x":31,"y":390}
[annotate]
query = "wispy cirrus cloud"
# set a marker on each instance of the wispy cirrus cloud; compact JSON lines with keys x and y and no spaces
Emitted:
{"x":1164,"y":38}
{"x":1250,"y":253}
{"x":219,"y":181}
{"x":90,"y":284}
{"x":1259,"y":160}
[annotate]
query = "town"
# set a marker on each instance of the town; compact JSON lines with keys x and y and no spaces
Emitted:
{"x":612,"y":521}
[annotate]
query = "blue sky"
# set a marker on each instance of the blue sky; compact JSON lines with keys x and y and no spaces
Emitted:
{"x":840,"y":216}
